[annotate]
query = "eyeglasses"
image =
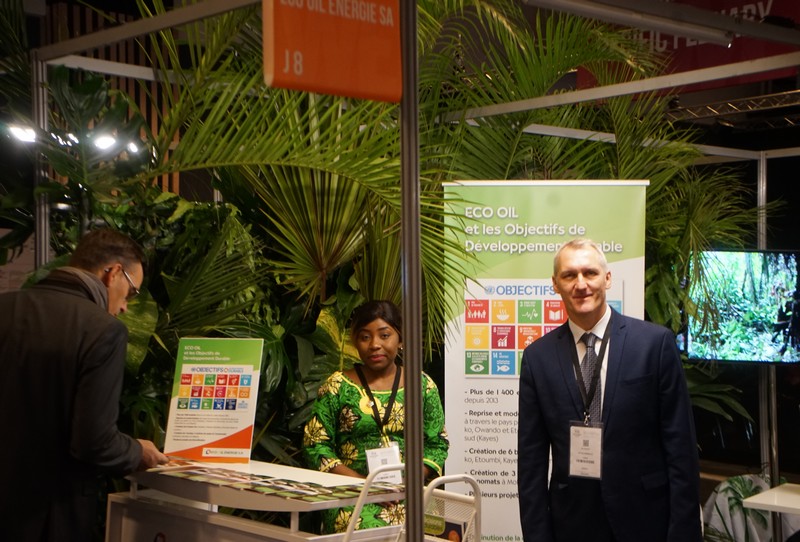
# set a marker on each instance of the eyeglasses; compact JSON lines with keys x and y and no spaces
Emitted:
{"x":133,"y":291}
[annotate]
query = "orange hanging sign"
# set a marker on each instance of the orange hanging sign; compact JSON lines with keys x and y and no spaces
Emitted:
{"x":340,"y":47}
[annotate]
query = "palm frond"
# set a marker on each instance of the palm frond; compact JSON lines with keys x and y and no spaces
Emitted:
{"x":314,"y":221}
{"x":15,"y":66}
{"x":216,"y":288}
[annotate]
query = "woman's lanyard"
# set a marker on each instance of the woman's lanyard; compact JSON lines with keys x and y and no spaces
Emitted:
{"x":587,"y":396}
{"x":375,"y":413}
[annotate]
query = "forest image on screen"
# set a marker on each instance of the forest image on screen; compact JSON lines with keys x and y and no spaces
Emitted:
{"x":754,"y":312}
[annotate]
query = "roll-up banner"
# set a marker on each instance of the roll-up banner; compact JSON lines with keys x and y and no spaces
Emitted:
{"x":513,"y":229}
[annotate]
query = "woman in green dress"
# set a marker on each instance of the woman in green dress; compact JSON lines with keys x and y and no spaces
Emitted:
{"x":363,"y":409}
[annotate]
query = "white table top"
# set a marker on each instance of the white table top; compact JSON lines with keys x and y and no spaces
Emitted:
{"x":223,"y":495}
{"x":783,"y":498}
{"x":290,"y":473}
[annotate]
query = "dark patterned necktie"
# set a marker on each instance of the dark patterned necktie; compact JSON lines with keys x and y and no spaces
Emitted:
{"x":587,"y":370}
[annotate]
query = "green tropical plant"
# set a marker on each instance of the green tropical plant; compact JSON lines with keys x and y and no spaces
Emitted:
{"x":728,"y":519}
{"x":317,"y":177}
{"x":16,"y":198}
{"x":312,"y":221}
{"x":95,"y":138}
{"x":684,"y":211}
{"x":324,"y":169}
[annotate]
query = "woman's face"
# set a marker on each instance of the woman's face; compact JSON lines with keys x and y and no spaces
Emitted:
{"x":377,"y":344}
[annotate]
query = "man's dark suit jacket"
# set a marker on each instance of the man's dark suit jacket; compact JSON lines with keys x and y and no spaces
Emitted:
{"x":650,"y":473}
{"x":62,"y":359}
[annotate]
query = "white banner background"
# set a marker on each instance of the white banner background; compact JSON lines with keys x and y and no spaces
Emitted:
{"x":514,"y":228}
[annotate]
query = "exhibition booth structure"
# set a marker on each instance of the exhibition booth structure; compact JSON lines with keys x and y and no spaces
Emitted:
{"x":209,"y":432}
{"x":192,"y":504}
{"x":181,"y":502}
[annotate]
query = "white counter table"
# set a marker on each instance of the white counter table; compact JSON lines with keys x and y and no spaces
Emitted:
{"x":178,"y":509}
{"x":784,"y":498}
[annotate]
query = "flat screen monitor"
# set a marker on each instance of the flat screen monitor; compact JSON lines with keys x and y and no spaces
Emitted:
{"x":753,"y":312}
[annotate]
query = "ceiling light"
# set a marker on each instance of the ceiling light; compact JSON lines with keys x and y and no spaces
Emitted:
{"x":104,"y":142}
{"x":26,"y":135}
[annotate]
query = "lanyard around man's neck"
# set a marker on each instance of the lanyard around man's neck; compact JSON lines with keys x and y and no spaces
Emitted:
{"x":588,"y":395}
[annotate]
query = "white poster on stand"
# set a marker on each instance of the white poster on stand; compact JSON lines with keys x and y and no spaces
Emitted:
{"x":514,"y":228}
{"x":213,"y":403}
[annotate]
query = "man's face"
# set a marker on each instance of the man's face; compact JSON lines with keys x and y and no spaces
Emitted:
{"x":581,"y":281}
{"x":123,"y":284}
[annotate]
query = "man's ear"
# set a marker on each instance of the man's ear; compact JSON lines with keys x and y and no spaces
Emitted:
{"x":106,"y":273}
{"x":555,"y":286}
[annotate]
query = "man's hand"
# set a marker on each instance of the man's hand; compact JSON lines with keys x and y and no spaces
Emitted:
{"x":151,"y":457}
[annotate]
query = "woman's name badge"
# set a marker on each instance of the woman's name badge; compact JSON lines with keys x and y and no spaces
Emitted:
{"x":389,"y":455}
{"x":585,"y":449}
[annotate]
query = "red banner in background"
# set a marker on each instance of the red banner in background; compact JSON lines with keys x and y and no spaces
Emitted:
{"x":687,"y":54}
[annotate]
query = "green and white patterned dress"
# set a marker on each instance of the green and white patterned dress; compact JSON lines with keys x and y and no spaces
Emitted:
{"x":342,"y":428}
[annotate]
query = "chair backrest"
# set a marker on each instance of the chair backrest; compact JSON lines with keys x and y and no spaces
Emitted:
{"x":450,"y":516}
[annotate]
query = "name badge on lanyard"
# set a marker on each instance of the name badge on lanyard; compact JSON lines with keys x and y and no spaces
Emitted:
{"x":379,"y":457}
{"x":585,"y":450}
{"x":389,"y":452}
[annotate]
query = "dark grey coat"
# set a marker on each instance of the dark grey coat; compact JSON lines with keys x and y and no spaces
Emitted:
{"x":62,"y":360}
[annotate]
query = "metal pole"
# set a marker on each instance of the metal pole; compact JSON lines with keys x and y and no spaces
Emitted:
{"x":774,"y":470}
{"x":42,"y":208}
{"x":412,"y":274}
{"x":767,"y":381}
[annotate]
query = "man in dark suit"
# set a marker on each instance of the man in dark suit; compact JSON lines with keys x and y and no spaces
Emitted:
{"x":62,"y":359}
{"x":629,"y":474}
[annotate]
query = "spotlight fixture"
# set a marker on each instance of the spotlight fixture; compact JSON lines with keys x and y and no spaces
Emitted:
{"x":26,"y":135}
{"x":104,"y":142}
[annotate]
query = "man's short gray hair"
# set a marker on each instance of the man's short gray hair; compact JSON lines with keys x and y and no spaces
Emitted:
{"x":576,"y":244}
